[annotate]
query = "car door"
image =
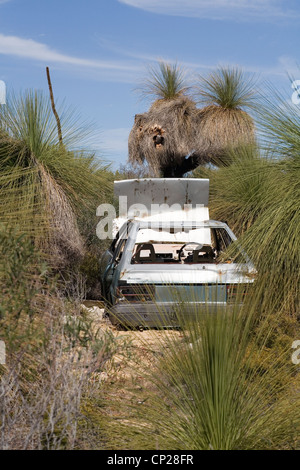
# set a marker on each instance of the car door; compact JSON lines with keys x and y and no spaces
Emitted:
{"x":109,"y":262}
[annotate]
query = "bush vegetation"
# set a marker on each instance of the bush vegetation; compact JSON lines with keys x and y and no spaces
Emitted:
{"x":224,"y":382}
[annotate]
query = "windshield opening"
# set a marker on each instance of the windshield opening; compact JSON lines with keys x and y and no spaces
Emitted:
{"x":195,"y":246}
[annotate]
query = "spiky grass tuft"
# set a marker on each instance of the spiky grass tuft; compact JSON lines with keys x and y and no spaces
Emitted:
{"x":226,"y":87}
{"x":165,"y":81}
{"x":43,"y":184}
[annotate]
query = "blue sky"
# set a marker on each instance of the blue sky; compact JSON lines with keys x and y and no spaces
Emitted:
{"x":98,"y":50}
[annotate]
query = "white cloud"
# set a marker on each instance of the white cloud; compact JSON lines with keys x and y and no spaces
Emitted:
{"x":30,"y":49}
{"x":238,"y":10}
{"x":283,"y":65}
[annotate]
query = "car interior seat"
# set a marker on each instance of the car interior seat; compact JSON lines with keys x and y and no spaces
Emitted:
{"x":140,"y":257}
{"x":204,"y":255}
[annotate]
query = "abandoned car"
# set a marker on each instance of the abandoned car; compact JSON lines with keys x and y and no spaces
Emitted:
{"x":170,"y":262}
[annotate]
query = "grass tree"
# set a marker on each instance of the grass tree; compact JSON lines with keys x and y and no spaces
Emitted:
{"x":174,"y":136}
{"x":274,"y":237}
{"x":164,"y":136}
{"x":258,"y":195}
{"x":43,"y":183}
{"x":223,"y":122}
{"x":238,"y":190}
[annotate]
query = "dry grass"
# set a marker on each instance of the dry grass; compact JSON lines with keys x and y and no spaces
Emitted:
{"x":45,"y":382}
{"x":62,"y":241}
{"x":55,"y":352}
{"x":164,"y":135}
{"x":221,"y":130}
{"x":120,"y":416}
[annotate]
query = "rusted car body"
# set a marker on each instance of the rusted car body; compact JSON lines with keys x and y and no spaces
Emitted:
{"x":171,"y":259}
